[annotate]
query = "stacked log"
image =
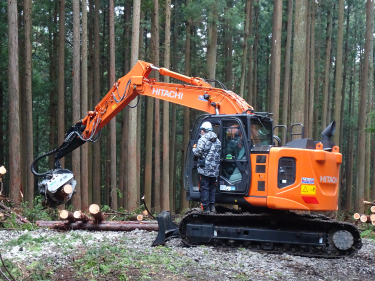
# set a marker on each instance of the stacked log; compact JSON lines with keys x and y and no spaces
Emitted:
{"x":367,"y":218}
{"x":79,"y":220}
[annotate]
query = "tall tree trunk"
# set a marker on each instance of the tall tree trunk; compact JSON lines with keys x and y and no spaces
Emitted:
{"x":327,"y":69}
{"x":286,"y":90}
{"x":84,"y":109}
{"x":359,"y":207}
{"x":123,"y":179}
{"x":76,"y":163}
{"x":61,"y":79}
{"x":212,"y":41}
{"x":338,"y":97}
{"x":244,"y":47}
{"x":96,"y":186}
{"x":299,"y":54}
{"x":350,"y":140}
{"x":112,"y":123}
{"x":172,"y":170}
{"x":276,"y":58}
{"x":132,"y":137}
{"x":255,"y":62}
{"x":155,"y":52}
{"x":165,"y":206}
{"x":307,"y":69}
{"x":28,"y":102}
{"x":249,"y":96}
{"x":317,"y":107}
{"x":183,"y":202}
{"x":228,"y":45}
{"x":14,"y":120}
{"x":369,"y":109}
{"x":312,"y":71}
{"x":90,"y":90}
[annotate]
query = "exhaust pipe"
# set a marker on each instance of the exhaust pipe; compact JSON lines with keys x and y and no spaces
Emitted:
{"x":327,"y":135}
{"x":329,"y":131}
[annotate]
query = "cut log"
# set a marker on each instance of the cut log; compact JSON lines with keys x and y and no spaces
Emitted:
{"x":105,"y":225}
{"x":66,"y":215}
{"x":79,"y":216}
{"x":356,"y":216}
{"x":372,"y":217}
{"x":136,"y":217}
{"x":95,"y":212}
{"x":64,"y":192}
{"x":365,"y":218}
{"x":372,"y":209}
{"x":2,"y":171}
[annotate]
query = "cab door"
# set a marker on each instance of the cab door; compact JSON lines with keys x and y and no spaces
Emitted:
{"x":235,"y":172}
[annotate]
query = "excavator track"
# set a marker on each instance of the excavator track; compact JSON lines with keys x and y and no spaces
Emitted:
{"x":272,"y":232}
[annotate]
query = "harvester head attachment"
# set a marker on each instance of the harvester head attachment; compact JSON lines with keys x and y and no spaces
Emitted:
{"x":57,"y":187}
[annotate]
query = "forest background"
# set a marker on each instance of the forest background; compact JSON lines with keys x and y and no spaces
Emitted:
{"x":306,"y":61}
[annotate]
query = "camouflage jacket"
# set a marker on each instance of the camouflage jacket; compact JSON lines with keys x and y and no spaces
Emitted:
{"x":209,"y":147}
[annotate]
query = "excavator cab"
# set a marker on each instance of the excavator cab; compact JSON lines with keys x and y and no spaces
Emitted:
{"x":239,"y":134}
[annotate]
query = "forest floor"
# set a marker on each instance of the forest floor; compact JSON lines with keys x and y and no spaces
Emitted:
{"x":82,"y":255}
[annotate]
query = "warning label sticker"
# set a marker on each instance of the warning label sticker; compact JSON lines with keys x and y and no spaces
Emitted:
{"x":308,"y":189}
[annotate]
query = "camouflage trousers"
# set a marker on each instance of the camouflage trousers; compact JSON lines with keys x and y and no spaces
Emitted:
{"x":207,"y":190}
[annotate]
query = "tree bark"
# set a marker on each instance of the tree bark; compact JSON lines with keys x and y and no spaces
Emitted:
{"x":299,"y":54}
{"x":338,"y":85}
{"x":112,"y":123}
{"x":317,"y":109}
{"x":248,"y":8}
{"x":307,"y":69}
{"x":155,"y":53}
{"x":327,"y":69}
{"x":28,"y":102}
{"x":249,"y":96}
{"x":61,"y":79}
{"x":76,"y":163}
{"x":132,"y":137}
{"x":286,"y":90}
{"x":212,"y":41}
{"x":362,"y":111}
{"x":96,"y":186}
{"x":276,"y":58}
{"x":165,"y":206}
{"x":312,"y":71}
{"x":183,"y":202}
{"x":123,"y":174}
{"x":84,"y":110}
{"x":14,"y":120}
{"x":255,"y":62}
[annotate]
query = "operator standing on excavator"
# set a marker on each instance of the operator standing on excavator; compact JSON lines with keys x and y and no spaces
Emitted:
{"x":208,"y":152}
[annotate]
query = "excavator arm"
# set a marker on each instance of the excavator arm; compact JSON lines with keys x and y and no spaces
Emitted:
{"x":195,"y":93}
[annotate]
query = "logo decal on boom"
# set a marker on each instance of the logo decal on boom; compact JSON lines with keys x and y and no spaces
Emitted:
{"x":169,"y":94}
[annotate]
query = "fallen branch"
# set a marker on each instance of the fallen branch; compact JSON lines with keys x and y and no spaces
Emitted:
{"x":24,"y":220}
{"x":6,"y":270}
{"x":105,"y":226}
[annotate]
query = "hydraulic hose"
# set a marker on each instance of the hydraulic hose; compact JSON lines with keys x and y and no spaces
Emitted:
{"x":40,"y":157}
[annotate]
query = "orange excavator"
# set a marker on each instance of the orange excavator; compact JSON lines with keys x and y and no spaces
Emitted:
{"x":266,"y":179}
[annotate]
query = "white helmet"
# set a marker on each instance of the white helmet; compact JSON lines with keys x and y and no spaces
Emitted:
{"x":206,"y":126}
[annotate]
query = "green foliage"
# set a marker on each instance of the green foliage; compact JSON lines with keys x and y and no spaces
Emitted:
{"x":369,"y":233}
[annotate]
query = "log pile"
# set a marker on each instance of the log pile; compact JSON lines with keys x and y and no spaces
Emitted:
{"x":96,"y":221}
{"x":366,"y":218}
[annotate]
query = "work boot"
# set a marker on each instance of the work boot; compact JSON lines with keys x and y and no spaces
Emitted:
{"x":212,"y":209}
{"x":206,"y":210}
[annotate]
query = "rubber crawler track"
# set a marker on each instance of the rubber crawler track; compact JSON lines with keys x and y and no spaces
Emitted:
{"x":283,"y":220}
